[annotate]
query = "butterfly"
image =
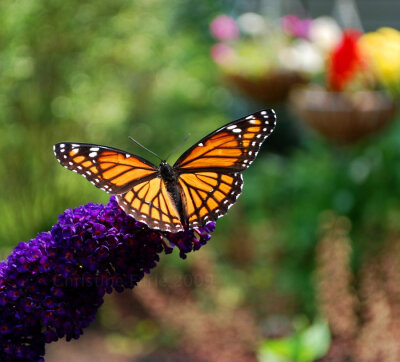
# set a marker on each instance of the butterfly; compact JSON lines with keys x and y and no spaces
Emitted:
{"x":200,"y":187}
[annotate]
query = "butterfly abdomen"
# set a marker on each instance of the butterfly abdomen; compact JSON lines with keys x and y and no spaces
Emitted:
{"x":170,"y":178}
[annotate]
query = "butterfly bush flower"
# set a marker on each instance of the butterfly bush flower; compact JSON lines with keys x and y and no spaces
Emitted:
{"x":52,"y":286}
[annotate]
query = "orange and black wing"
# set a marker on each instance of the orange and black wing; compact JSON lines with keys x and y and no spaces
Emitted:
{"x":151,"y":203}
{"x":208,"y":195}
{"x":109,"y":169}
{"x":232,"y":147}
{"x":135,"y":181}
{"x":210,"y":172}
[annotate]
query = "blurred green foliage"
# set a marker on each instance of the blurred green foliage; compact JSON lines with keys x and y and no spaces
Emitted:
{"x":307,"y":344}
{"x":99,"y":71}
{"x":93,"y":72}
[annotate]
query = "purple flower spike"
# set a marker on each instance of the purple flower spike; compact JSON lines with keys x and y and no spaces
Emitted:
{"x":52,"y":286}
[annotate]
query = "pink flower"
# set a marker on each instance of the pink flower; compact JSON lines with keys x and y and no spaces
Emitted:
{"x":224,"y":28}
{"x":222,"y":54}
{"x":294,"y":26}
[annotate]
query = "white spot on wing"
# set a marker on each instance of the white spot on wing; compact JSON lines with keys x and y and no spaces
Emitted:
{"x":94,"y":149}
{"x":231,"y":126}
{"x":92,"y":154}
{"x":236,"y":130}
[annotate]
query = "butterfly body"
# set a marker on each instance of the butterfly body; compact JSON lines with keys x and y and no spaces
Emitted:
{"x":200,"y":187}
{"x":170,"y":177}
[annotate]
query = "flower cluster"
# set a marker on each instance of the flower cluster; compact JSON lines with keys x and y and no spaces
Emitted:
{"x":317,"y":49}
{"x":52,"y":285}
{"x":253,"y":45}
{"x":382,"y":48}
{"x":365,"y":61}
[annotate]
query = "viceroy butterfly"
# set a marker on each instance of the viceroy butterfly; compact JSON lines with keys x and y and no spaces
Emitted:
{"x":200,"y":187}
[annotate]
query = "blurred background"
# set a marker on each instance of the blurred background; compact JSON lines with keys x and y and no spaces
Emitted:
{"x":306,"y":265}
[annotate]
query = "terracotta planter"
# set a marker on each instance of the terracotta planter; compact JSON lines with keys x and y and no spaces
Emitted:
{"x":272,"y":87}
{"x":343,"y":118}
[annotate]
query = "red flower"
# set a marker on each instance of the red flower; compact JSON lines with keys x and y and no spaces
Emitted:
{"x":345,"y":61}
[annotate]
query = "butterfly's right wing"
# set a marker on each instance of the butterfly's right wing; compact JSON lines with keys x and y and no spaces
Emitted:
{"x":207,"y":195}
{"x":231,"y":148}
{"x":210,"y":172}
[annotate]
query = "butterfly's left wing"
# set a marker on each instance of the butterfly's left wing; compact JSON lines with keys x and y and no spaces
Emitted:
{"x":109,"y":169}
{"x":151,"y":203}
{"x":134,"y":180}
{"x":210,"y":172}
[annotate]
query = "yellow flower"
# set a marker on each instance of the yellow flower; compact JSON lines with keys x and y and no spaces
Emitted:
{"x":382,"y":48}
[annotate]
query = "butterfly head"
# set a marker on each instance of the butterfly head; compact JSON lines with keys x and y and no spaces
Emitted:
{"x":167,"y":172}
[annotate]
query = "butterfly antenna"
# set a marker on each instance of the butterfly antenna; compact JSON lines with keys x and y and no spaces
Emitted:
{"x":178,"y":147}
{"x":139,"y":144}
